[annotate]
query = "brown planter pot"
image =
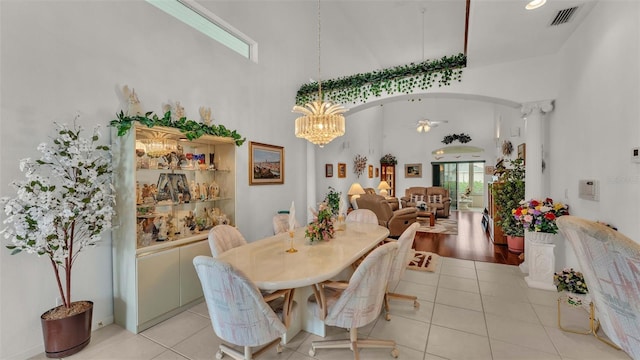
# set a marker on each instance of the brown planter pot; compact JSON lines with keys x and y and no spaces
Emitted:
{"x":515,"y":244}
{"x":66,"y":336}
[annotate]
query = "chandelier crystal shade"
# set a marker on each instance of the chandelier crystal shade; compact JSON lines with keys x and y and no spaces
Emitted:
{"x":321,"y":121}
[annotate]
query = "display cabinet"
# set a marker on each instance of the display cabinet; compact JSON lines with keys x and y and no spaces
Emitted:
{"x":169,"y":192}
{"x":388,"y":174}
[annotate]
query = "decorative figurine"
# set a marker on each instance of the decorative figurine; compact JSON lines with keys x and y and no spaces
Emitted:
{"x":214,"y":190}
{"x":205,"y":114}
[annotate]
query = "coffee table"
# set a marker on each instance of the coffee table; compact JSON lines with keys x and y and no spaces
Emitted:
{"x":427,"y":214}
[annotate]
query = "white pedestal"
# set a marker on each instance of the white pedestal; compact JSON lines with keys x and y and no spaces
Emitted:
{"x":541,"y":261}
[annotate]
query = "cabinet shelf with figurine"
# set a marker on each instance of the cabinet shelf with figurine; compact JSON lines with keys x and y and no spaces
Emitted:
{"x":169,"y":193}
{"x":388,"y":174}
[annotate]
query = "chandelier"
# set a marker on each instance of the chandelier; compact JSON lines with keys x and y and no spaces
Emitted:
{"x":321,"y":121}
{"x":157,"y":145}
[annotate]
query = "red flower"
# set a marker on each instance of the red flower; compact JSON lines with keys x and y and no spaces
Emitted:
{"x":549,"y":216}
{"x":534,"y":203}
{"x":518,"y":211}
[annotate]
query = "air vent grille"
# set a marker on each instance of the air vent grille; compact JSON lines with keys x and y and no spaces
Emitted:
{"x":564,"y":16}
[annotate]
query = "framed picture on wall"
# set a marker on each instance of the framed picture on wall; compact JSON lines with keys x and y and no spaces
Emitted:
{"x":328,"y":170}
{"x":342,"y":170}
{"x":377,"y":172}
{"x":266,"y":164}
{"x":370,"y":171}
{"x":522,"y":153}
{"x":413,"y":170}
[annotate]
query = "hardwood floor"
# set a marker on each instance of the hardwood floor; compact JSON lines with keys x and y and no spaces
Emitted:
{"x":471,"y":243}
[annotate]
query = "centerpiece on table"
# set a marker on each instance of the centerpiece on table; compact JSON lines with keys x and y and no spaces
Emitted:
{"x":539,"y":218}
{"x":62,"y":208}
{"x":321,"y":228}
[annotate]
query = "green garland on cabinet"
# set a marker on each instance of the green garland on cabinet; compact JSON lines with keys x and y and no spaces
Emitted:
{"x":398,"y":79}
{"x":190,"y":128}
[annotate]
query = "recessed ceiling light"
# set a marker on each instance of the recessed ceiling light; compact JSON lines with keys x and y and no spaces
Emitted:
{"x":534,"y":4}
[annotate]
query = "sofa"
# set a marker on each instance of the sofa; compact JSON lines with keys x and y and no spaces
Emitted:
{"x":396,"y":221}
{"x":434,"y":196}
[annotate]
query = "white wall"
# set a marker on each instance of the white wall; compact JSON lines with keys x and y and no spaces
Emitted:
{"x":62,"y":57}
{"x":597,"y":117}
{"x":59,"y":58}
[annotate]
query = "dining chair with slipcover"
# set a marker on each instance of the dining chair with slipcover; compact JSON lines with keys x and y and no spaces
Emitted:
{"x":223,"y":238}
{"x":610,"y":264}
{"x":362,"y":216}
{"x":398,"y":267}
{"x":239,"y":313}
{"x":356,"y":303}
{"x":281,"y":223}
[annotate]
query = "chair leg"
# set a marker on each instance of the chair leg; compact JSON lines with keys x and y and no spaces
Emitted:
{"x":354,"y":344}
{"x":247,"y":354}
{"x":387,"y":296}
{"x":594,"y":326}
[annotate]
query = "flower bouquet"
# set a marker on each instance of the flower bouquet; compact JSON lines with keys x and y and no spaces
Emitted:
{"x":570,"y":280}
{"x":540,"y":216}
{"x":322,"y":226}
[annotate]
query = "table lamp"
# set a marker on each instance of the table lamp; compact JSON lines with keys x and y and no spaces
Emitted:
{"x":384,"y":186}
{"x":354,"y":192}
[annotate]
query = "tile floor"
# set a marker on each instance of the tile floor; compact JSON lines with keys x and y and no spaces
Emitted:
{"x":469,"y":310}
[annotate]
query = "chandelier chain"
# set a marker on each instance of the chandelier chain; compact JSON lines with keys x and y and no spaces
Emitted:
{"x":319,"y":76}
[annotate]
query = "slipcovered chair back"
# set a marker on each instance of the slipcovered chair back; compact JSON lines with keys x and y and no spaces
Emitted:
{"x":281,"y":223}
{"x":237,"y":310}
{"x":402,"y":258}
{"x":362,"y":216}
{"x":223,"y":238}
{"x":610,"y":263}
{"x":360,"y":303}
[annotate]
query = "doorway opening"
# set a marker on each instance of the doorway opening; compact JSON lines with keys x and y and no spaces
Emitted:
{"x":464,"y":180}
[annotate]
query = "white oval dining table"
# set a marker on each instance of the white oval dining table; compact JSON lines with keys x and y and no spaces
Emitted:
{"x":270,"y":267}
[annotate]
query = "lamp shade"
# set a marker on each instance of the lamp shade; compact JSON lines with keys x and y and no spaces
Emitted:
{"x":384,"y":185}
{"x":356,"y":189}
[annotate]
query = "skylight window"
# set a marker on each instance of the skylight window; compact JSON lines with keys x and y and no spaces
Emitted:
{"x":203,"y":20}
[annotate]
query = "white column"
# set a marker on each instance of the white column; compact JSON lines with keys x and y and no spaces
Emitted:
{"x":534,"y":115}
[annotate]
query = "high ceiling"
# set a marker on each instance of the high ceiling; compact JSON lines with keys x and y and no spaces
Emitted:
{"x":398,"y":32}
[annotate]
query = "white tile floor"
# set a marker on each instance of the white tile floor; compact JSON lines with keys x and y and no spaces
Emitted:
{"x":469,"y":310}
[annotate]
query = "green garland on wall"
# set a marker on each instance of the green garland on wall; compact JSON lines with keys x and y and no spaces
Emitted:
{"x":399,"y":79}
{"x":190,"y":128}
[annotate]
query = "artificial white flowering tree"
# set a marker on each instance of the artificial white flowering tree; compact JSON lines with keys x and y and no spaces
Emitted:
{"x":64,"y":204}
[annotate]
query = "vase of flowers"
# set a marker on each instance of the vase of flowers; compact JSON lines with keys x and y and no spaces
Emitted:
{"x":539,"y":218}
{"x":321,"y":228}
{"x":571,"y":281}
{"x":61,"y":208}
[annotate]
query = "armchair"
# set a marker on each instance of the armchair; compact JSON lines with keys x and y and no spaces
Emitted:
{"x":396,"y":221}
{"x":393,"y":201}
{"x":435,"y":197}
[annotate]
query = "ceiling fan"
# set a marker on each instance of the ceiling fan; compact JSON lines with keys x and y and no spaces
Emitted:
{"x":426,"y":124}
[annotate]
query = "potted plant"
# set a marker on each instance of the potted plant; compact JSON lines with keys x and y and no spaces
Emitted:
{"x":332,"y":199}
{"x":539,"y":217}
{"x":388,"y":160}
{"x":508,"y":196}
{"x":61,"y":208}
